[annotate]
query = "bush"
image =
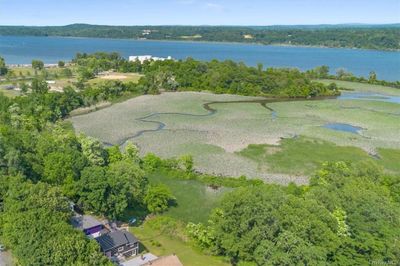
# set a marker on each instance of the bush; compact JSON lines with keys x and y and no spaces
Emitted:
{"x":158,"y":198}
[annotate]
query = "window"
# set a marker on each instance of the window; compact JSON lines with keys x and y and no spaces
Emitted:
{"x":120,"y":249}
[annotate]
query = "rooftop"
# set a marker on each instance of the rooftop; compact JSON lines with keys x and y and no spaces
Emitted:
{"x":84,"y":222}
{"x":115,"y":239}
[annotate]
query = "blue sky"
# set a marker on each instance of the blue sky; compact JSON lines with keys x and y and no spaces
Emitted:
{"x":197,"y":12}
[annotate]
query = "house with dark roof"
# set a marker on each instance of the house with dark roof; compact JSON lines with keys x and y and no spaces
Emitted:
{"x":88,"y":224}
{"x":117,"y":243}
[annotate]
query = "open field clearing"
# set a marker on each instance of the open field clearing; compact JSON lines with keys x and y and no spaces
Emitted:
{"x":9,"y":93}
{"x":115,"y":76}
{"x":305,"y":155}
{"x":363,"y":87}
{"x":161,"y":244}
{"x":173,"y":124}
{"x":194,"y":200}
{"x":29,"y":71}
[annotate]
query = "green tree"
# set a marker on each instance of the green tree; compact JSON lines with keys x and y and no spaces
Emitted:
{"x":260,"y":67}
{"x":66,"y":72}
{"x":92,"y":189}
{"x":39,"y":85}
{"x":372,"y":77}
{"x":158,"y":198}
{"x":151,"y":162}
{"x":202,"y":235}
{"x":35,"y":226}
{"x":24,"y":87}
{"x":322,"y":71}
{"x":3,"y":67}
{"x":129,"y":180}
{"x":131,"y":153}
{"x":93,"y":150}
{"x":37,"y":64}
{"x":114,"y":154}
{"x":265,"y":225}
{"x":61,"y":64}
{"x":186,"y":163}
{"x":84,"y":73}
{"x":110,"y":190}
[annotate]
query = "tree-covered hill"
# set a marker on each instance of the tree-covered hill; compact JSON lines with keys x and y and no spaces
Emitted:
{"x":380,"y":37}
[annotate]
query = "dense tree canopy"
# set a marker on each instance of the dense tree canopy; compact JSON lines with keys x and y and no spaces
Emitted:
{"x":35,"y":224}
{"x":215,"y":76}
{"x":233,"y":78}
{"x":347,"y":216}
{"x":44,"y":167}
{"x":369,"y":37}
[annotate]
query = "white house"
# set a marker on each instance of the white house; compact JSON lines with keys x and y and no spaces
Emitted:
{"x":142,"y":58}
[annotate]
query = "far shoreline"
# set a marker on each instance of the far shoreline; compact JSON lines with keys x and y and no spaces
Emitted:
{"x":204,"y":41}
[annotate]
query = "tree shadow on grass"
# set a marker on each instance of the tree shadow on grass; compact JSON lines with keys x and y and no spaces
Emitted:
{"x":138,"y":212}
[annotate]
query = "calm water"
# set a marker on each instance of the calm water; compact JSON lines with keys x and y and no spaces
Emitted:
{"x":21,"y":50}
{"x":343,"y":127}
{"x":369,"y":97}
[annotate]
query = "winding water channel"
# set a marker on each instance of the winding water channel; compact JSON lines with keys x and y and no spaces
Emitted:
{"x":212,"y":111}
{"x":263,"y":102}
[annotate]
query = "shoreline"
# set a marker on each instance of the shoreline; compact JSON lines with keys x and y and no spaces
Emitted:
{"x":204,"y":41}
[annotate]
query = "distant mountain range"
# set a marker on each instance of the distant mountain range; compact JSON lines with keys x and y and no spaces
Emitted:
{"x":367,"y":36}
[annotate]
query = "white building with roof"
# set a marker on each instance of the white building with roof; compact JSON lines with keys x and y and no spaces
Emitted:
{"x":142,"y":58}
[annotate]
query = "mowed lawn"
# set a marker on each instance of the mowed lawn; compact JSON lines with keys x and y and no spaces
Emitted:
{"x":161,"y":244}
{"x":305,"y":155}
{"x":194,"y":200}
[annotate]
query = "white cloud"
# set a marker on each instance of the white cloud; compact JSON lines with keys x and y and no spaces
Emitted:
{"x":214,"y":6}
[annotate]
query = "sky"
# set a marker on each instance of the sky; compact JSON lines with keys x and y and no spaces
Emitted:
{"x":198,"y":12}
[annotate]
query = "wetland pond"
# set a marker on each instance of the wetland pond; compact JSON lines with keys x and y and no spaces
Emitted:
{"x":369,"y":97}
{"x":343,"y":127}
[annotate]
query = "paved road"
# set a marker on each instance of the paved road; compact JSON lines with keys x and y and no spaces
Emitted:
{"x":5,"y":259}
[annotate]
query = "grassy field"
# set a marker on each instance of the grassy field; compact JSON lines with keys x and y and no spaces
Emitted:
{"x":9,"y":93}
{"x":306,"y":155}
{"x":123,"y":77}
{"x":161,"y":244}
{"x":25,"y":74}
{"x":390,"y":159}
{"x":194,"y":200}
{"x":364,"y":87}
{"x":29,"y":71}
{"x":215,"y":139}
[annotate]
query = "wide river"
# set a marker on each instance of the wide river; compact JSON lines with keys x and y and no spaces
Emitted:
{"x":21,"y":50}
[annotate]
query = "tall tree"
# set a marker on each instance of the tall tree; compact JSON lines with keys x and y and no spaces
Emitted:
{"x":3,"y":67}
{"x":37,"y":64}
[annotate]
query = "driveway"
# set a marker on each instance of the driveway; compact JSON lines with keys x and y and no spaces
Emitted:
{"x":138,"y":261}
{"x":5,"y":259}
